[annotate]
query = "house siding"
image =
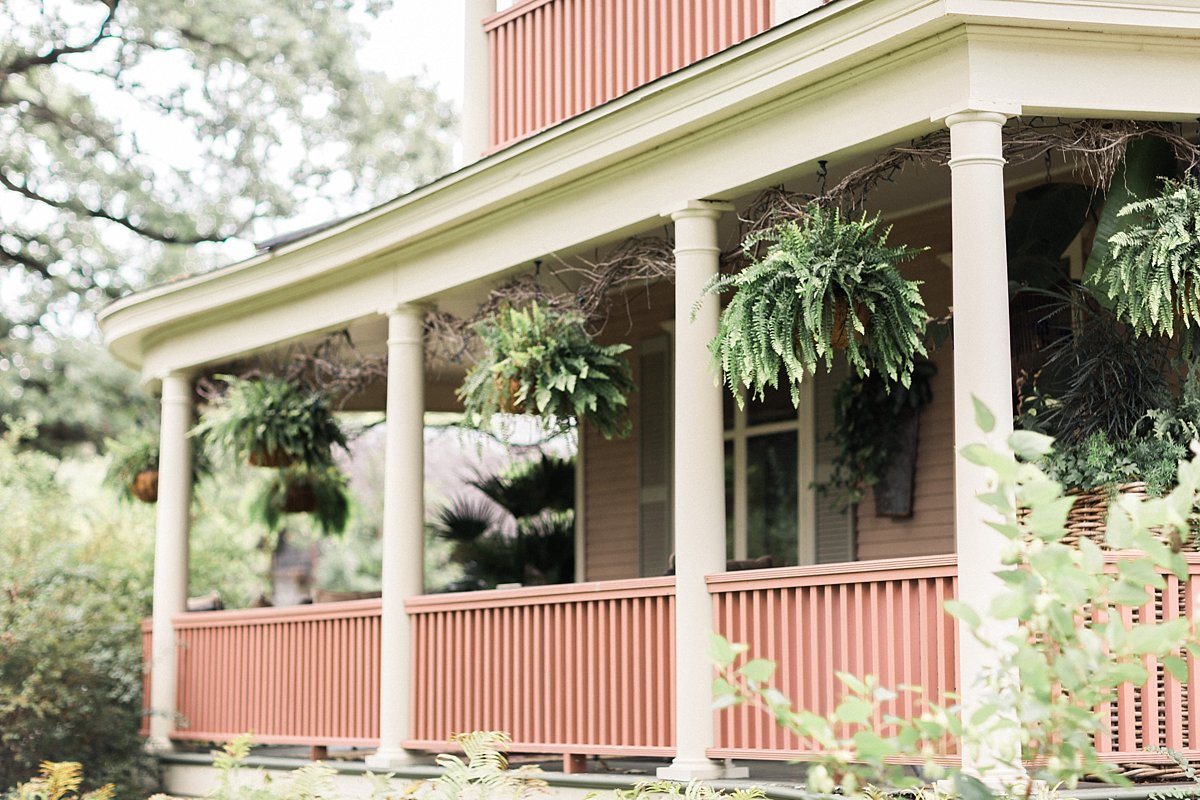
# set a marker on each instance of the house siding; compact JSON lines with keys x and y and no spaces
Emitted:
{"x":930,"y":529}
{"x":612,"y":477}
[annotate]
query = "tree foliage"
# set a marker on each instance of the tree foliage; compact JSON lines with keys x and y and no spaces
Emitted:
{"x":124,"y":122}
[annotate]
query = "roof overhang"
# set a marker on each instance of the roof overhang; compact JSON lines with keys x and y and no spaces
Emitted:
{"x":846,"y":78}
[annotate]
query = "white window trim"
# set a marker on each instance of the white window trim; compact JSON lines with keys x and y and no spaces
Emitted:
{"x":804,"y":425}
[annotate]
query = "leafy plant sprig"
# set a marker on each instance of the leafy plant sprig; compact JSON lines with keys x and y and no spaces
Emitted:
{"x":267,"y":417}
{"x":539,"y":360}
{"x":1051,"y":665}
{"x":818,"y":271}
{"x":1153,"y":268}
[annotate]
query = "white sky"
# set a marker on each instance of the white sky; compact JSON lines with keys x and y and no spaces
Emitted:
{"x":421,"y":35}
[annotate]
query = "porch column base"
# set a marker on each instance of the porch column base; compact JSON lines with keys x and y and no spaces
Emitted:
{"x":158,"y":746}
{"x":685,"y":770}
{"x":396,"y":758}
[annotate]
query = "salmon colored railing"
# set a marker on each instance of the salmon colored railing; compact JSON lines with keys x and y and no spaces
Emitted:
{"x":298,"y":675}
{"x":1160,"y":713}
{"x":881,"y":618}
{"x":553,"y":59}
{"x":576,"y":669}
{"x":147,"y":655}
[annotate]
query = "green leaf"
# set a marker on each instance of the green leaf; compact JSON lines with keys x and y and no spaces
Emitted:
{"x":759,"y":670}
{"x":1030,"y":445}
{"x":854,"y":710}
{"x":1177,"y":666}
{"x":984,"y":419}
{"x":720,"y":651}
{"x":963,"y":612}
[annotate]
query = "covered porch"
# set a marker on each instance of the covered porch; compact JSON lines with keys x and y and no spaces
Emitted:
{"x":616,"y":664}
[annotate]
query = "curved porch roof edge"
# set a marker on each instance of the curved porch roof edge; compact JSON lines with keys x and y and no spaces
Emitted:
{"x":823,"y":47}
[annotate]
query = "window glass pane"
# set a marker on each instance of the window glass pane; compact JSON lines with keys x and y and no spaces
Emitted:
{"x":776,"y":406}
{"x":729,"y":479}
{"x":729,"y":407}
{"x":771,"y":486}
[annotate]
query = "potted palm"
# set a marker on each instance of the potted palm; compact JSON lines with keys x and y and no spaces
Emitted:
{"x":539,"y":360}
{"x":272,"y":422}
{"x":824,"y":283}
{"x":320,"y":491}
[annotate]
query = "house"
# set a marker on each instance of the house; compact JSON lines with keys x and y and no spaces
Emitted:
{"x":591,"y":122}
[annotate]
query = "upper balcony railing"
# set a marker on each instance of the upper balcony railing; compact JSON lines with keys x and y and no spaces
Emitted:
{"x":553,"y":59}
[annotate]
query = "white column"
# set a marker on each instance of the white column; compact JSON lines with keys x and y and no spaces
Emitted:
{"x":403,"y":529}
{"x":982,"y":368}
{"x":699,"y":488}
{"x":476,"y":112}
{"x":170,"y":552}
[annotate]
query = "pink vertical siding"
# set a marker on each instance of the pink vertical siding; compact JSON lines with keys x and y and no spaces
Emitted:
{"x":882,"y":618}
{"x":553,"y":59}
{"x":581,"y":669}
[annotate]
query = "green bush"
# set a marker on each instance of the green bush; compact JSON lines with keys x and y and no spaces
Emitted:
{"x":70,"y":649}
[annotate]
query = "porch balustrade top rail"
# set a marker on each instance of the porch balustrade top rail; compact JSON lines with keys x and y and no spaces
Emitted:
{"x":553,"y":59}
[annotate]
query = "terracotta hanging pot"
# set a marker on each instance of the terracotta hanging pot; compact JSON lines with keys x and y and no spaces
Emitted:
{"x":300,"y":498}
{"x":507,"y":396}
{"x":145,"y":486}
{"x":271,"y":458}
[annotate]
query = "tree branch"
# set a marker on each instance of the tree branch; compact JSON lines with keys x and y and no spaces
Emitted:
{"x":77,"y":207}
{"x":28,"y":61}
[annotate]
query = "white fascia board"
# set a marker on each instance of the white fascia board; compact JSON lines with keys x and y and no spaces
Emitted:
{"x":871,"y":69}
{"x":694,"y":99}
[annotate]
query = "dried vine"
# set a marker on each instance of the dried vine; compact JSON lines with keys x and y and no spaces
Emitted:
{"x":334,"y":367}
{"x":1095,"y":149}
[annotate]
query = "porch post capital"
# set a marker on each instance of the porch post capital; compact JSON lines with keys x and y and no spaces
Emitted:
{"x":703,"y":209}
{"x":977,"y":110}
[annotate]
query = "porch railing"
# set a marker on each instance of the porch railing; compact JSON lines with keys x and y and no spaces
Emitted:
{"x":881,"y":618}
{"x":1164,"y":712}
{"x":588,"y":668}
{"x":298,"y":675}
{"x":577,"y":669}
{"x":553,"y":59}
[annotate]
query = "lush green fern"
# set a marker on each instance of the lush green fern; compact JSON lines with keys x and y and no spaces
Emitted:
{"x":783,"y":313}
{"x":484,"y":773}
{"x":539,"y":360}
{"x":1153,"y":268}
{"x":58,"y":780}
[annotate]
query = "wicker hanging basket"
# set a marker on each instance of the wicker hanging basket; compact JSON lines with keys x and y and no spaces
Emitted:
{"x":145,"y":486}
{"x":507,"y":396}
{"x":1088,"y":515}
{"x":300,"y":498}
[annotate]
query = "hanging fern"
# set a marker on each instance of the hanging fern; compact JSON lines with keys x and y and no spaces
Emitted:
{"x":1153,"y":268}
{"x":818,"y":274}
{"x":539,"y":360}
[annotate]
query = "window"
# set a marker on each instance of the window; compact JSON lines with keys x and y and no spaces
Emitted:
{"x":773,"y":453}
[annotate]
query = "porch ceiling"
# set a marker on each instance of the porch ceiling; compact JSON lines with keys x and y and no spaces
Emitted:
{"x":838,"y":83}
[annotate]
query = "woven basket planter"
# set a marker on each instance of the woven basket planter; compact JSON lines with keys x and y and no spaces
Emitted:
{"x":1088,"y":515}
